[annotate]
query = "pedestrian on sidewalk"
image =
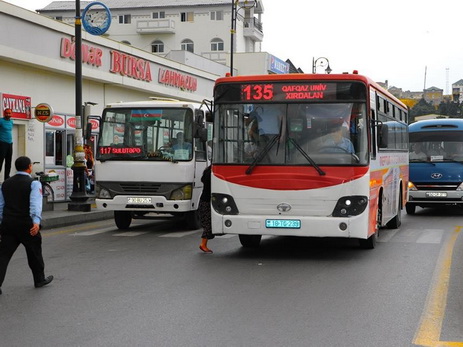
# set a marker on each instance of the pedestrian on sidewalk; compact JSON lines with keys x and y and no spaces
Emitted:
{"x":205,"y":210}
{"x":20,"y":216}
{"x":6,"y":141}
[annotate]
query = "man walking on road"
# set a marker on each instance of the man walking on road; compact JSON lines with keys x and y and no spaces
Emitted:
{"x":20,"y":216}
{"x":6,"y":141}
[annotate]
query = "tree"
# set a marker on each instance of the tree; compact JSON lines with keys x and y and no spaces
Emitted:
{"x":450,"y":109}
{"x":420,"y":109}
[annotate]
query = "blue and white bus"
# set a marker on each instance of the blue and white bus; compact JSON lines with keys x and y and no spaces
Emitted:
{"x":436,"y":163}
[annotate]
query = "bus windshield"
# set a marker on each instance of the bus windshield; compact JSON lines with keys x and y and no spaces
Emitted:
{"x":146,"y":134}
{"x":292,"y":134}
{"x":439,"y":145}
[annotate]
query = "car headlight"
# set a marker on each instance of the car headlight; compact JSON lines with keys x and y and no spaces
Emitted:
{"x":411,"y":186}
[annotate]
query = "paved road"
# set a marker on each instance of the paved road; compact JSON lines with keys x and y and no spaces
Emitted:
{"x":151,"y":286}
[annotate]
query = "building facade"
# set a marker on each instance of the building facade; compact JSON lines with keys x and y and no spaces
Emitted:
{"x":37,"y":65}
{"x":201,"y":27}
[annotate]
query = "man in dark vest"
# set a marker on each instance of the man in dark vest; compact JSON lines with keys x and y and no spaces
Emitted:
{"x":20,"y":216}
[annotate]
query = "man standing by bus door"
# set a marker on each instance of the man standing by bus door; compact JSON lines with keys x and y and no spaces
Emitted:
{"x":20,"y":216}
{"x":6,"y":141}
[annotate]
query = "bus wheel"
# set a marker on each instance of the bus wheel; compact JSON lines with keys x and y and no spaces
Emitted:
{"x":250,"y":241}
{"x":123,"y":219}
{"x":395,"y":222}
{"x":192,"y":220}
{"x":410,"y":208}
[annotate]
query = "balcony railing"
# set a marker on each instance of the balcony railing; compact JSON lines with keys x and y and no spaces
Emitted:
{"x":156,"y":26}
{"x":253,"y":29}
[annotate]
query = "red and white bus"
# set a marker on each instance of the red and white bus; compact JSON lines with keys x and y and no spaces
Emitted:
{"x":307,"y":155}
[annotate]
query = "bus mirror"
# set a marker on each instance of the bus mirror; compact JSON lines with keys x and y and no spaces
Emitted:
{"x":202,"y":134}
{"x":209,"y":117}
{"x":383,"y":135}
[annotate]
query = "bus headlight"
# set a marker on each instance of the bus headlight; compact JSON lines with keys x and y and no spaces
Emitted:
{"x":183,"y":193}
{"x":350,"y":206}
{"x":224,"y":204}
{"x":411,"y":186}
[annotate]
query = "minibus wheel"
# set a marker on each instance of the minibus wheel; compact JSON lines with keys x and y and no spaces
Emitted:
{"x":411,"y":209}
{"x":123,"y":219}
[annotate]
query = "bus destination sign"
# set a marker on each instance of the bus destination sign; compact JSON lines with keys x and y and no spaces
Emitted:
{"x":287,"y":91}
{"x":120,"y":150}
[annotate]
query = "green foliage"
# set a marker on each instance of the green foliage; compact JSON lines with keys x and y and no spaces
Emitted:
{"x":420,"y":109}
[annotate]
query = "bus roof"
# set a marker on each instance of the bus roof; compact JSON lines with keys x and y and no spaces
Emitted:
{"x":316,"y":77}
{"x":442,"y":124}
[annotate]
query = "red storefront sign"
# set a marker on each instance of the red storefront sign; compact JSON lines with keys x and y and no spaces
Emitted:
{"x":20,"y":105}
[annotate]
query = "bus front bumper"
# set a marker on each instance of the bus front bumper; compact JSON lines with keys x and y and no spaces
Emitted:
{"x":144,"y":203}
{"x":351,"y":227}
{"x":433,"y":197}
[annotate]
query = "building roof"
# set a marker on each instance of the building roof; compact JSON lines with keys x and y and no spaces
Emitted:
{"x":124,"y":4}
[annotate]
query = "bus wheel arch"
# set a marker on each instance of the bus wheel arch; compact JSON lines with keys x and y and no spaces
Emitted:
{"x":123,"y":219}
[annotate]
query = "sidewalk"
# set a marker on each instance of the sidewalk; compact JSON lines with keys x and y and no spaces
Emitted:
{"x":61,"y":217}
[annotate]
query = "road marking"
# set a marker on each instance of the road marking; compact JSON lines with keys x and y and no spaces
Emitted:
{"x":431,"y":236}
{"x":69,"y":230}
{"x":92,"y":232}
{"x":130,"y":233}
{"x":179,"y":234}
{"x":428,"y":236}
{"x":429,"y":330}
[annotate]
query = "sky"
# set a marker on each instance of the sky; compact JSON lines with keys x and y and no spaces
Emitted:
{"x":411,"y":44}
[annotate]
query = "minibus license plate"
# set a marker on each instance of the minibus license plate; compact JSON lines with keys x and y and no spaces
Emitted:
{"x":436,"y":194}
{"x":139,"y":200}
{"x":283,"y":223}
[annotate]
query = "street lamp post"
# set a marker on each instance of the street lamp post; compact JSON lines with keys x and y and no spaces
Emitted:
{"x":79,"y":194}
{"x":234,"y":15}
{"x":321,"y":62}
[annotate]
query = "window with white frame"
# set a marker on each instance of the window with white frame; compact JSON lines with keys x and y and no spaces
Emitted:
{"x":158,"y":15}
{"x":216,"y":15}
{"x":186,"y":16}
{"x":187,"y":45}
{"x":217,"y":44}
{"x":157,"y":46}
{"x":125,"y":19}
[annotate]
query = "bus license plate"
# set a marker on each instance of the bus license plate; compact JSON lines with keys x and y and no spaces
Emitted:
{"x":283,"y":223}
{"x":436,"y":194}
{"x":139,"y":200}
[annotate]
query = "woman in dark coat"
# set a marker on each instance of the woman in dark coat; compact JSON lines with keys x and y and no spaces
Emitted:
{"x":205,"y":210}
